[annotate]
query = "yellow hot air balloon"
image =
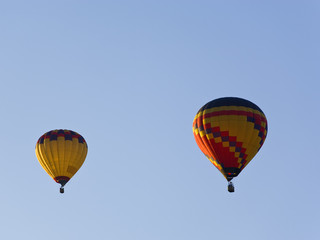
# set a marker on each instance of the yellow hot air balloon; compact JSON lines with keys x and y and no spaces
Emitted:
{"x":61,"y":153}
{"x":230,"y":131}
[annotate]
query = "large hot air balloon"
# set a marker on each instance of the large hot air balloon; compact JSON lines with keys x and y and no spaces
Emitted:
{"x":230,"y":131}
{"x":61,"y":153}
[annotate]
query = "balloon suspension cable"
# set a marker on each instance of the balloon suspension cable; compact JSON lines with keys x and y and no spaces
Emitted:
{"x":62,"y":181}
{"x":62,"y":187}
{"x":230,"y":187}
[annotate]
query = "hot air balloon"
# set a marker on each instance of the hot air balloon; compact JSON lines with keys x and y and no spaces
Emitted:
{"x":61,"y":153}
{"x":230,"y":131}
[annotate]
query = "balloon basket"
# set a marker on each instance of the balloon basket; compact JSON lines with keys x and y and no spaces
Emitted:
{"x":61,"y":190}
{"x":230,"y":187}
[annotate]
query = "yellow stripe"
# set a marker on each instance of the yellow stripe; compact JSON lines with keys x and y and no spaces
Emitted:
{"x":233,"y":108}
{"x":228,"y":108}
{"x":43,"y":160}
{"x":61,"y":154}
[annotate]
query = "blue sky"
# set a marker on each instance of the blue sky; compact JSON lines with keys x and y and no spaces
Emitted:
{"x":129,"y":76}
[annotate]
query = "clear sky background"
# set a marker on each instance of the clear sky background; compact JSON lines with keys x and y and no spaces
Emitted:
{"x":130,"y":76}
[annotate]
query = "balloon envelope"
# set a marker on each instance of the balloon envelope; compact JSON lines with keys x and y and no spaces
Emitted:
{"x":61,"y":153}
{"x":230,"y":131}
